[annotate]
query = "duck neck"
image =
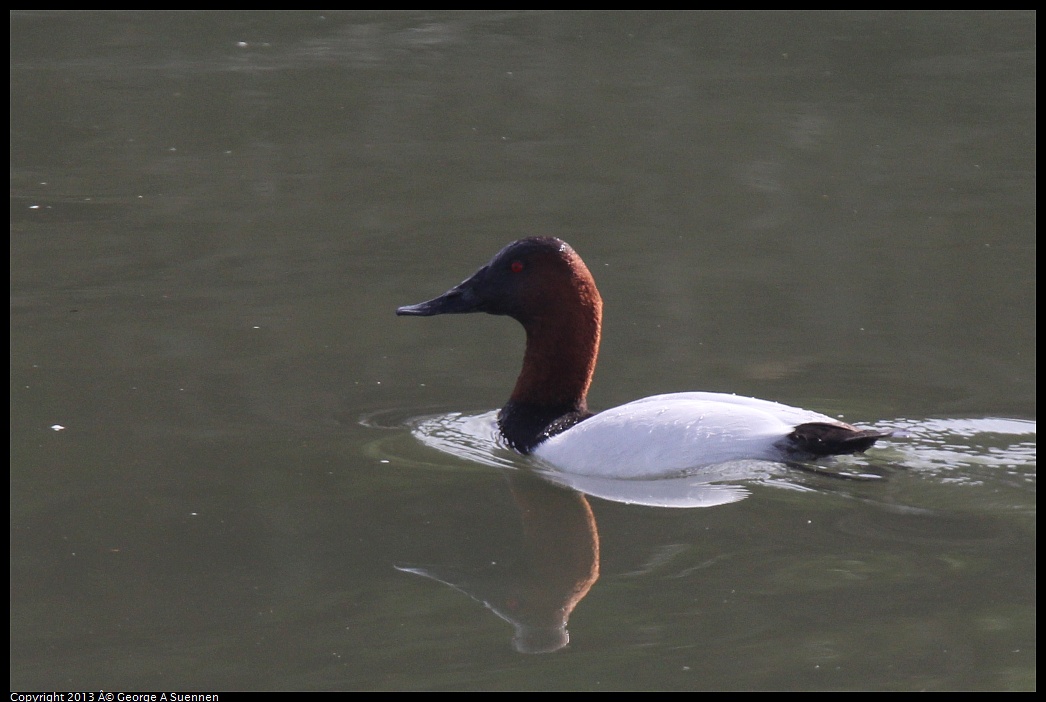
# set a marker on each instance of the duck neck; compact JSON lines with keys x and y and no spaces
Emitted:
{"x":560,"y":358}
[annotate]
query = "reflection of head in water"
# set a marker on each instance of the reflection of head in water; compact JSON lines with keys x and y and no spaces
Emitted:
{"x":529,"y":639}
{"x":557,"y":565}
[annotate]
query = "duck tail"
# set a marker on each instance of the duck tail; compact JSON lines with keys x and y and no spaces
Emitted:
{"x":824,"y":439}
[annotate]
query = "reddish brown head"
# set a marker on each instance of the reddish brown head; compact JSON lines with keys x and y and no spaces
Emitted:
{"x":544,"y":285}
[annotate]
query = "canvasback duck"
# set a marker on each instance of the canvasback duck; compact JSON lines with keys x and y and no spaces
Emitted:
{"x":545,"y":286}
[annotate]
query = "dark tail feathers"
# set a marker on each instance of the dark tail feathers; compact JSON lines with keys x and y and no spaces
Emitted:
{"x":824,"y":439}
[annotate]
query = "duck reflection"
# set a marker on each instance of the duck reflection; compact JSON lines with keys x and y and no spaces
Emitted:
{"x":559,"y":557}
{"x":559,"y":564}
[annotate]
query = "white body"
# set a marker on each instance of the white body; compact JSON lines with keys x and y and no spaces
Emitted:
{"x":665,"y":435}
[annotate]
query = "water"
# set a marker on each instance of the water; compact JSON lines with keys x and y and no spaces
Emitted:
{"x":263,"y":479}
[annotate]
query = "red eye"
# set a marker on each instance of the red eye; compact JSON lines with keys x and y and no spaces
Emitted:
{"x":516,"y":266}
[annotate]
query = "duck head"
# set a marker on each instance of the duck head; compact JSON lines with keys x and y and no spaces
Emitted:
{"x":528,"y":280}
{"x":544,"y":285}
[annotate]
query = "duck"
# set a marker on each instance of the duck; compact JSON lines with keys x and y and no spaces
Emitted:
{"x":543,"y":284}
